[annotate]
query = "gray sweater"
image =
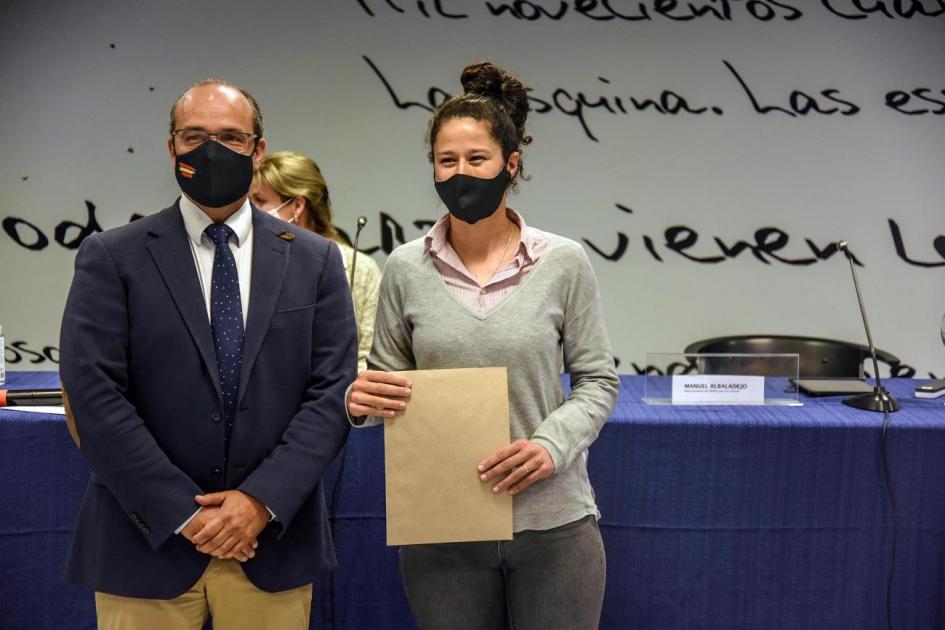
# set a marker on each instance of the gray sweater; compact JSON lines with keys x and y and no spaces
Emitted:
{"x":553,"y":317}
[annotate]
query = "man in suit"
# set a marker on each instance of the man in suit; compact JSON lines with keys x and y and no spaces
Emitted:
{"x":206,"y":350}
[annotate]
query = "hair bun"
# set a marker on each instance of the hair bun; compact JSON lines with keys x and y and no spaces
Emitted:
{"x":490,"y":81}
{"x":482,"y":79}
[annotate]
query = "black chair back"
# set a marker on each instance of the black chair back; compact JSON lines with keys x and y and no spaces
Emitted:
{"x":818,"y":357}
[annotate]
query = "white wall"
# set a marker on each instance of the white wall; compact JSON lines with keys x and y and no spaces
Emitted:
{"x":77,"y":100}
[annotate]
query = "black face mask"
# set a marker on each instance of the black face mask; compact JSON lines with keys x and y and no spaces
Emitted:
{"x":213,"y":175}
{"x":471,"y":198}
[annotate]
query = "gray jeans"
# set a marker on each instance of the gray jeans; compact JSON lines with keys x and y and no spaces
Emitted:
{"x":540,"y":579}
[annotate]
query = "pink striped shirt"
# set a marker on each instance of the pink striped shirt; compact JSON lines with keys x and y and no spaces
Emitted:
{"x":463,"y":284}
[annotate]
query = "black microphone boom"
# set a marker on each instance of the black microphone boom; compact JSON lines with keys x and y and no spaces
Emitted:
{"x":362,"y":221}
{"x":880,"y":399}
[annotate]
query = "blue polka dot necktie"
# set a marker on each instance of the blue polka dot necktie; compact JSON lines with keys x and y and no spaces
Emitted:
{"x":226,"y":322}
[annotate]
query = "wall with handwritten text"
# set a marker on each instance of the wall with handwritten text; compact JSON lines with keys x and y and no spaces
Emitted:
{"x":708,"y":154}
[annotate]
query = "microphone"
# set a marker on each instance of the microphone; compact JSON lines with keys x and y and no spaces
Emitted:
{"x":20,"y":397}
{"x":362,"y":221}
{"x":880,"y":399}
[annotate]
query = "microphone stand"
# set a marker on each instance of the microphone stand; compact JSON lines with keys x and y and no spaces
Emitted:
{"x":342,"y":456}
{"x":880,"y":400}
{"x":362,"y":221}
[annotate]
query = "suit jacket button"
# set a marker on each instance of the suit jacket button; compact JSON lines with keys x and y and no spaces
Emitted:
{"x":215,"y":416}
{"x":145,"y":530}
{"x":216,"y":470}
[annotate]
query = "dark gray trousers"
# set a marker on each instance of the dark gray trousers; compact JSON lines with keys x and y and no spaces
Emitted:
{"x":538,"y":580}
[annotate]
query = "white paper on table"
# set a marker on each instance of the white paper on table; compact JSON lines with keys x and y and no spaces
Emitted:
{"x":60,"y":411}
{"x":715,"y":389}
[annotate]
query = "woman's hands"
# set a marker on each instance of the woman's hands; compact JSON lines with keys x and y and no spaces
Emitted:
{"x":516,"y":466}
{"x":519,"y":465}
{"x":376,"y":393}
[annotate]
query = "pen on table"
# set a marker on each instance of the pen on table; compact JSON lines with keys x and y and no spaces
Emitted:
{"x":21,"y":397}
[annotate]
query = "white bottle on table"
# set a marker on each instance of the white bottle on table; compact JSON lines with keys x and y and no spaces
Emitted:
{"x":3,"y":361}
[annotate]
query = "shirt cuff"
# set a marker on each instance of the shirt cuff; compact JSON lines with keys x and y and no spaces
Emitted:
{"x":272,"y":517}
{"x":356,"y":421}
{"x":187,"y":522}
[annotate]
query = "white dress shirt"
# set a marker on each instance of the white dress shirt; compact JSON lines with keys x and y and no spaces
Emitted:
{"x":204,"y":251}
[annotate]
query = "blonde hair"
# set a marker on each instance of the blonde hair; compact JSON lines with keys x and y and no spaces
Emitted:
{"x":294,"y":175}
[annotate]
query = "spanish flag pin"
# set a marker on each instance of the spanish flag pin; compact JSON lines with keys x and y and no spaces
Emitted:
{"x":287,"y":236}
{"x":186,"y":170}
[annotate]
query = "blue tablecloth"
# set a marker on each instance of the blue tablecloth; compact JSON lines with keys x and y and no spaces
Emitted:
{"x":713,"y":517}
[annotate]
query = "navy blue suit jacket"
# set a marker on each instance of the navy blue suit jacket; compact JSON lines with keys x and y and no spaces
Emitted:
{"x":138,"y":363}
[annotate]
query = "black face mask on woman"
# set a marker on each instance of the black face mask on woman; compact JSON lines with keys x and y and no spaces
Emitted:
{"x":471,"y":198}
{"x":214,"y":175}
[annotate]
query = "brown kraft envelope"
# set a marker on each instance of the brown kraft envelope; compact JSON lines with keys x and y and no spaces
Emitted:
{"x":454,"y":420}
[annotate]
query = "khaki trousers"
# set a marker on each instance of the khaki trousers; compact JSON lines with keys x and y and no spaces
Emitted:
{"x":223,"y":592}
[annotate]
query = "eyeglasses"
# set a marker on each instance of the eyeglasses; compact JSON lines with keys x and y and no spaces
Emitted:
{"x":235,"y":140}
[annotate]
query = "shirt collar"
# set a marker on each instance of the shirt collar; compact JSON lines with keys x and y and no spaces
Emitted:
{"x":435,"y":240}
{"x":196,"y":221}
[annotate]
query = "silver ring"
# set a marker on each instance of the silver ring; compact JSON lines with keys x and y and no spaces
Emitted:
{"x":527,"y":471}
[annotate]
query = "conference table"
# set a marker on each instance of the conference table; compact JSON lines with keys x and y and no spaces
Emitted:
{"x":757,"y":517}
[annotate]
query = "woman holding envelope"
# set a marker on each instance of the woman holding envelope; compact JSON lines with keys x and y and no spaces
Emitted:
{"x":484,"y":289}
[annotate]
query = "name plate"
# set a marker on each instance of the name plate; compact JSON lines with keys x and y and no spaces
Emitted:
{"x":707,"y":389}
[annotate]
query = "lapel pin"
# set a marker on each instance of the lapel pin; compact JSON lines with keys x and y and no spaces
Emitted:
{"x":287,"y":236}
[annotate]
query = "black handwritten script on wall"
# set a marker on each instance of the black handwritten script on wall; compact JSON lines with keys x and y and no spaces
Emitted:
{"x":66,"y":233}
{"x":25,"y":355}
{"x":651,"y":10}
{"x":767,"y":245}
{"x":582,"y":105}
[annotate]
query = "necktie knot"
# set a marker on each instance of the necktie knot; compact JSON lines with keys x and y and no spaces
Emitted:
{"x":219,"y":233}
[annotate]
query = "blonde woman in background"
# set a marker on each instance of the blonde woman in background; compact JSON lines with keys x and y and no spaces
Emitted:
{"x":290,"y":186}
